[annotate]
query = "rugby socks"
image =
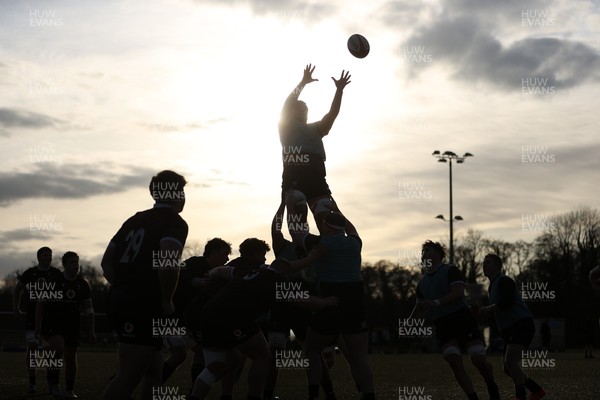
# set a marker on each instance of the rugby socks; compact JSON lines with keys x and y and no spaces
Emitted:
{"x":32,"y":378}
{"x":473,"y":396}
{"x":226,"y":397}
{"x":532,"y":386}
{"x":313,"y":392}
{"x":253,"y":398}
{"x":267,"y":395}
{"x":167,"y":371}
{"x":327,"y":387}
{"x":520,"y":392}
{"x":70,"y":383}
{"x":368,"y":396}
{"x":53,"y":375}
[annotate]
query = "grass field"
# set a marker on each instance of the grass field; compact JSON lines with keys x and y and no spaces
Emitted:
{"x":572,"y":378}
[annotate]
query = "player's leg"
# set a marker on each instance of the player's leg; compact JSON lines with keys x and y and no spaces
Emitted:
{"x":357,"y":356}
{"x":134,"y":360}
{"x":56,"y":345}
{"x":177,"y":354}
{"x":314,"y":345}
{"x":453,"y":356}
{"x":152,"y":377}
{"x":32,"y":346}
{"x":197,"y":362}
{"x":232,"y":376}
{"x":218,"y":363}
{"x":512,"y":361}
{"x":70,"y":369}
{"x":257,"y":349}
{"x":476,"y":351}
{"x":277,"y":342}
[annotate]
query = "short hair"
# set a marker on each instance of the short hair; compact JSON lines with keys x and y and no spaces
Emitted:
{"x":167,"y":187}
{"x":252,"y":246}
{"x":44,"y":249}
{"x":216,"y":244}
{"x":67,"y":255}
{"x":437,"y":246}
{"x":495,"y":258}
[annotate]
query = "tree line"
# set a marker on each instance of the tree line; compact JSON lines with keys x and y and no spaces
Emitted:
{"x":559,"y":260}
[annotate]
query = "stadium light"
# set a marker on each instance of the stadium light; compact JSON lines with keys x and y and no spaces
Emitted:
{"x":448,"y":156}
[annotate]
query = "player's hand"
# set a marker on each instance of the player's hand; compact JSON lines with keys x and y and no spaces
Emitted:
{"x":343,"y":81}
{"x":307,"y":77}
{"x":595,"y":277}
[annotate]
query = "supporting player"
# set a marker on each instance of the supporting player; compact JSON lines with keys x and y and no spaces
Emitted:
{"x":440,"y":293}
{"x":29,"y":283}
{"x":302,"y":146}
{"x":58,"y":322}
{"x":515,"y":323}
{"x":339,"y":275}
{"x":141,"y":263}
{"x":229,"y":323}
{"x":192,"y":279}
{"x":285,"y":316}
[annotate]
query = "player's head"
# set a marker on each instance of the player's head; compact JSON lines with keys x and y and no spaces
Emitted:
{"x":254,"y":249}
{"x":70,"y":262}
{"x":44,"y":257}
{"x":297,"y":111}
{"x":492,"y":265}
{"x":432,"y":255}
{"x":334,"y":223}
{"x":217,"y":251}
{"x":166,"y":187}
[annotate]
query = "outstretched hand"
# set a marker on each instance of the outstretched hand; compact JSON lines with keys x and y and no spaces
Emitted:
{"x":307,"y":77}
{"x":343,"y":81}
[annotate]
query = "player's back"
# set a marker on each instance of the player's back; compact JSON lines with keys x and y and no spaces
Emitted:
{"x":138,"y":247}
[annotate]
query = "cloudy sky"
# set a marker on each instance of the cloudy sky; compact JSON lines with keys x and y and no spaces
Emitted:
{"x":96,"y":97}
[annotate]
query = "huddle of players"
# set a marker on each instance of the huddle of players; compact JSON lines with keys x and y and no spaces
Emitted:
{"x":55,"y":300}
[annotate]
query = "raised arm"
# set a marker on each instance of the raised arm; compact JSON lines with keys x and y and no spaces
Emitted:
{"x":329,"y":118}
{"x":306,"y":79}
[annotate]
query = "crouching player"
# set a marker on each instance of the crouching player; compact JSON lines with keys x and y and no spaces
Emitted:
{"x":57,"y":321}
{"x":440,"y":294}
{"x":229,"y":323}
{"x":515,"y":323}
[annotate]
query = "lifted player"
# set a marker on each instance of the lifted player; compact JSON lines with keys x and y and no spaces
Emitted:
{"x":302,"y":146}
{"x":31,"y":282}
{"x":58,"y":322}
{"x":515,"y":323}
{"x":141,"y":263}
{"x":440,"y":293}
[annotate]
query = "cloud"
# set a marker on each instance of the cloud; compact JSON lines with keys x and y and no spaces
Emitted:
{"x":68,"y":181}
{"x":308,"y":10}
{"x":15,"y":118}
{"x":476,"y":56}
